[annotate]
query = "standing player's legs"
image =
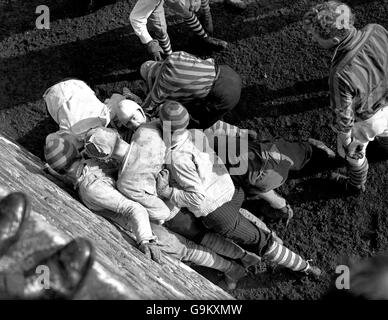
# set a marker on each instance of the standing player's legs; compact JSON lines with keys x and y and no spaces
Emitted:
{"x":157,"y":21}
{"x":192,"y":22}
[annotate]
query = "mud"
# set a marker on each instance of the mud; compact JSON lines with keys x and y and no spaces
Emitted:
{"x":285,"y":94}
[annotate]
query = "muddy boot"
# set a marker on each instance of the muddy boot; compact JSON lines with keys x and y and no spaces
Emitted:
{"x":68,"y":268}
{"x":250,"y":259}
{"x":282,"y":256}
{"x":238,"y":4}
{"x":341,"y":185}
{"x":233,"y":275}
{"x":312,"y":271}
{"x":214,"y":42}
{"x":14,"y":211}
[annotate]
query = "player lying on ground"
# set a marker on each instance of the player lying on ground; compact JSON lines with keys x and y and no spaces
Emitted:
{"x":75,"y":108}
{"x":206,"y":89}
{"x":96,"y":188}
{"x":205,"y":188}
{"x":267,"y":164}
{"x":152,"y":12}
{"x":358,"y":83}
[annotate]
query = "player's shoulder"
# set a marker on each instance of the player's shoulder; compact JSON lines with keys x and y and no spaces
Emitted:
{"x":375,"y":26}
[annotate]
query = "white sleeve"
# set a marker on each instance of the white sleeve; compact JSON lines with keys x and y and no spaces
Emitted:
{"x":139,"y":16}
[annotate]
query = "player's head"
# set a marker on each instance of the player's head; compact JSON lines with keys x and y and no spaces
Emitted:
{"x":329,"y":23}
{"x":130,"y":114}
{"x":60,"y":151}
{"x":174,"y":117}
{"x":101,"y":143}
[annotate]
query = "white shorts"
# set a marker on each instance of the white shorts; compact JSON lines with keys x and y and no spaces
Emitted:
{"x":75,"y":108}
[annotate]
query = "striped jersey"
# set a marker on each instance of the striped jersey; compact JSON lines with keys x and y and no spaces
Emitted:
{"x":358,"y":78}
{"x":181,"y":77}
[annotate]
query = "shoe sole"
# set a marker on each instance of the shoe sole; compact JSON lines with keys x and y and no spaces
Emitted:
{"x":88,"y":267}
{"x":26,"y":214}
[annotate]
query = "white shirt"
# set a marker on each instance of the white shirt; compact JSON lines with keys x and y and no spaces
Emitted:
{"x":139,"y":16}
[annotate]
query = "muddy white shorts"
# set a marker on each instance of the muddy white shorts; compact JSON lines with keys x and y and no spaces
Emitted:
{"x":74,"y":106}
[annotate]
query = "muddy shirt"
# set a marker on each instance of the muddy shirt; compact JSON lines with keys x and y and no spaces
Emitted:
{"x":269,"y":164}
{"x":143,"y":161}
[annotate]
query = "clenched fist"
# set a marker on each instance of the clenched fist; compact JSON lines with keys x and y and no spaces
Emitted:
{"x":163,"y":188}
{"x":154,"y":48}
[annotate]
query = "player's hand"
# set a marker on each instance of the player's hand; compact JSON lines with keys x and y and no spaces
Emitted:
{"x":287,"y":212}
{"x":154,"y":48}
{"x":354,"y":151}
{"x":151,"y":250}
{"x":163,"y":188}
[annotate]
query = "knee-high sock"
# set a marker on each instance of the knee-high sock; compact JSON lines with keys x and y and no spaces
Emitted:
{"x":194,"y":24}
{"x":165,"y":44}
{"x":285,"y":257}
{"x":205,"y":8}
{"x":358,"y":174}
{"x":222,"y":246}
{"x":205,"y":257}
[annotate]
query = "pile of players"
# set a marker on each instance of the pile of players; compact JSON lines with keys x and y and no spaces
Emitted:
{"x":169,"y":170}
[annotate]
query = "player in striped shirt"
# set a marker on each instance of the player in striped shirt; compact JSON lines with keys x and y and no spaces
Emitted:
{"x":206,"y":89}
{"x":152,"y":12}
{"x":358,"y":83}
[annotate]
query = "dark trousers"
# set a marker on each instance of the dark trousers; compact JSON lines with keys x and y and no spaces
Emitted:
{"x":223,"y":97}
{"x":228,"y":222}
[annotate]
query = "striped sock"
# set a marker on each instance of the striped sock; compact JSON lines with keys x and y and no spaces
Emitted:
{"x":222,"y":246}
{"x":194,"y":24}
{"x":165,"y":44}
{"x":205,"y":8}
{"x":205,"y":5}
{"x":202,"y":256}
{"x":285,"y":257}
{"x":358,"y":174}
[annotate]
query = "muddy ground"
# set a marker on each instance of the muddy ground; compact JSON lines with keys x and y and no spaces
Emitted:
{"x":285,"y":94}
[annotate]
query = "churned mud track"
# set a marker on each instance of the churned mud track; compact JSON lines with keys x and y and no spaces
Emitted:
{"x":285,"y":94}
